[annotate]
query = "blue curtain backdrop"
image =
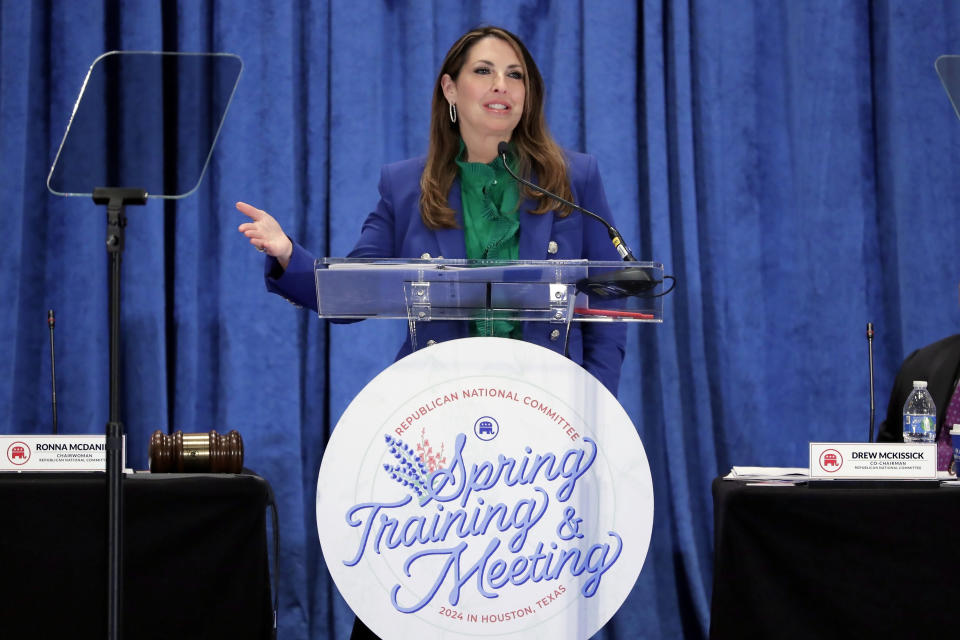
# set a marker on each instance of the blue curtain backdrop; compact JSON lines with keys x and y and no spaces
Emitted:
{"x":796,"y":165}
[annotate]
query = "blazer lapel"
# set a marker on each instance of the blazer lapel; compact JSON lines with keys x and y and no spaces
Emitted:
{"x":534,"y":231}
{"x":451,"y":241}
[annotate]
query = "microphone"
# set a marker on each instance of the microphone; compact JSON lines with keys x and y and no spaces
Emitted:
{"x":614,"y":284}
{"x":503,"y":148}
{"x":870,"y":351}
{"x":51,"y":321}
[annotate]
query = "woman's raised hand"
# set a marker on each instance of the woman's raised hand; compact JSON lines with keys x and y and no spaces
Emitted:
{"x":265,"y":233}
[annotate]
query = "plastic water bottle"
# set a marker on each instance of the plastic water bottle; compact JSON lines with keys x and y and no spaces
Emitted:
{"x":919,"y":415}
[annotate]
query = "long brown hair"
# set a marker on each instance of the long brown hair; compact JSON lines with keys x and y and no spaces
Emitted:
{"x":536,"y":150}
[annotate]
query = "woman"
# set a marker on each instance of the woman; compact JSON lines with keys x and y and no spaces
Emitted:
{"x":459,"y":201}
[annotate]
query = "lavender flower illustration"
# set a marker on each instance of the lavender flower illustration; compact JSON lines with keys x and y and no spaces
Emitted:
{"x":408,"y":470}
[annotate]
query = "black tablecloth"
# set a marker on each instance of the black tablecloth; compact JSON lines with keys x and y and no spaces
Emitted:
{"x":195,"y":556}
{"x":802,"y":562}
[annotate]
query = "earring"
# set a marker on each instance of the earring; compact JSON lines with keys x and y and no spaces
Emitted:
{"x":452,"y":108}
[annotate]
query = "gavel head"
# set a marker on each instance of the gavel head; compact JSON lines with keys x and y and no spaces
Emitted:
{"x":196,"y":452}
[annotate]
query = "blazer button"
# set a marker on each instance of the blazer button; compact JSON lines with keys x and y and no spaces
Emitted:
{"x":555,"y":334}
{"x":552,"y":247}
{"x":425,"y":256}
{"x":430,"y":343}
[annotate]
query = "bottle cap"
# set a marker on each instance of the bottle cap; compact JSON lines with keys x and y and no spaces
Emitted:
{"x":919,"y":384}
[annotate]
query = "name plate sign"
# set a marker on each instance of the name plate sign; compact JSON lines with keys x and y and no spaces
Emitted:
{"x":873,"y":460}
{"x":55,"y":453}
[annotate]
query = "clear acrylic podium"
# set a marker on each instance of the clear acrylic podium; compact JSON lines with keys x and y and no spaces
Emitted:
{"x":554,"y":291}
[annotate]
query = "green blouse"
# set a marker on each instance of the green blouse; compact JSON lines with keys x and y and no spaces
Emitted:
{"x":491,"y":224}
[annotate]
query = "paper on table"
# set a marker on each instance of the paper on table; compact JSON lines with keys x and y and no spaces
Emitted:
{"x":768,"y":473}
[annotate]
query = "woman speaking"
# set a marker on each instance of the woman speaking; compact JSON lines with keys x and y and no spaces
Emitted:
{"x":460,"y":202}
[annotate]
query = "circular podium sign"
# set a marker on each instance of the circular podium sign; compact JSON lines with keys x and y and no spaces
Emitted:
{"x":488,"y":488}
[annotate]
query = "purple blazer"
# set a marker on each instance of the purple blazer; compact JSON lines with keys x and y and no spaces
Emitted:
{"x":395,"y":230}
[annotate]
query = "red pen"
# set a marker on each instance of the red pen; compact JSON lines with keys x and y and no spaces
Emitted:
{"x":613,"y":313}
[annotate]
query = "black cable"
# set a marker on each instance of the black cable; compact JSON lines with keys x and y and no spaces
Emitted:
{"x":276,"y":559}
{"x":673,"y":284}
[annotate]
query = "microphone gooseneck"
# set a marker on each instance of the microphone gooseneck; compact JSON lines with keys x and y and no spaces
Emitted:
{"x":870,"y":352}
{"x":621,"y":283}
{"x":503,"y":148}
{"x":51,"y":321}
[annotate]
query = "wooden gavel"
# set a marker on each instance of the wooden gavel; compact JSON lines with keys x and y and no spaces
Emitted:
{"x":196,"y":452}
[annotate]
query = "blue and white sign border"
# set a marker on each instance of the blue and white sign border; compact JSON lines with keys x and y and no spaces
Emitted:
{"x":548,"y":523}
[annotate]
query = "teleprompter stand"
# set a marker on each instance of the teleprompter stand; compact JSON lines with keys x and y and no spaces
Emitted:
{"x":149,"y":119}
{"x":116,"y":200}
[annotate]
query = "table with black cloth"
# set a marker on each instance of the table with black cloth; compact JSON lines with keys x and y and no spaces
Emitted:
{"x":861,"y":560}
{"x":195,"y":556}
